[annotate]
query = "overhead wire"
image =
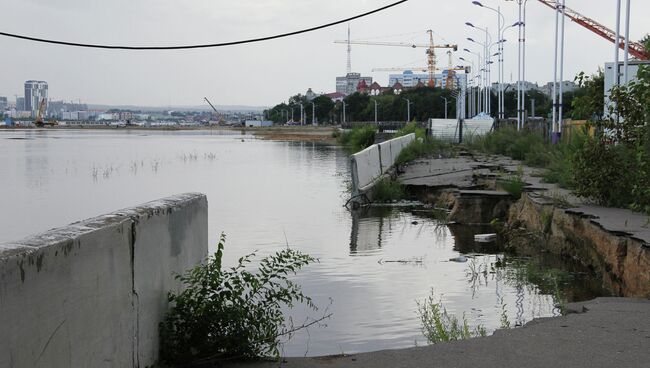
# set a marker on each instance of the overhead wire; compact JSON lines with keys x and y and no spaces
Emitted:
{"x":199,"y":46}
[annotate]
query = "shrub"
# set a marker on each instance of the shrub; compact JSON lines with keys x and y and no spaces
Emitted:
{"x":232,"y":312}
{"x":358,"y":138}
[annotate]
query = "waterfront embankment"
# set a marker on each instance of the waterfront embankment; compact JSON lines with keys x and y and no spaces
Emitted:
{"x":605,"y":332}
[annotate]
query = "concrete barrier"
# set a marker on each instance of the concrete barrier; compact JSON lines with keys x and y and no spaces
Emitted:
{"x":447,"y":129}
{"x":93,"y":293}
{"x":370,"y":164}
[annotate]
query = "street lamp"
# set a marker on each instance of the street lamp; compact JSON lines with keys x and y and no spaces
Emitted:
{"x":478,"y":76}
{"x":471,"y":92}
{"x":486,"y":45}
{"x":375,"y":101}
{"x":313,"y":113}
{"x":408,"y":109}
{"x":343,"y":111}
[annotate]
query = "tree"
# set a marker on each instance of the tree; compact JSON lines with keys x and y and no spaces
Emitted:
{"x":588,"y":103}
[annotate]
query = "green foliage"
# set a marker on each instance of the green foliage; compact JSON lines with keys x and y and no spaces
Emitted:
{"x":514,"y":183}
{"x":440,"y":326}
{"x":412,"y":127}
{"x":614,"y":167}
{"x":520,"y":145}
{"x":358,"y":138}
{"x":232,"y":312}
{"x":422,"y":148}
{"x":387,"y":190}
{"x":590,"y":98}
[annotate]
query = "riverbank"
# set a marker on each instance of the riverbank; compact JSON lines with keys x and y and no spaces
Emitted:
{"x":605,"y":332}
{"x":614,"y":243}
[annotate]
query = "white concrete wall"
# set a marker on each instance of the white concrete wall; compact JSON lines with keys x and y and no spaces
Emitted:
{"x":371,"y":163}
{"x":92,"y":294}
{"x":447,"y":129}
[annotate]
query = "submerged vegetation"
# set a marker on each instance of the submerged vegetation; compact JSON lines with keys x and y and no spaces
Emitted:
{"x":232,"y":312}
{"x":440,"y":326}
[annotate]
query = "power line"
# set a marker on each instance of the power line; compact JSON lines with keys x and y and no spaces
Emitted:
{"x":203,"y":46}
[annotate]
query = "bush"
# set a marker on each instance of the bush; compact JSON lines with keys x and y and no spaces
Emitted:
{"x":358,"y":138}
{"x":232,"y":312}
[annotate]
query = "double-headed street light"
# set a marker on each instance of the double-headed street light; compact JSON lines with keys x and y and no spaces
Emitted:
{"x":488,"y":40}
{"x":478,"y":84}
{"x":470,"y":105}
{"x":500,"y":23}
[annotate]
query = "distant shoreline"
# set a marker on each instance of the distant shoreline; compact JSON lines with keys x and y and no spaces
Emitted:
{"x":281,"y":133}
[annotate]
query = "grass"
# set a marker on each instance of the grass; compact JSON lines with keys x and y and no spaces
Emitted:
{"x":358,"y":138}
{"x":530,"y":148}
{"x":514,"y":183}
{"x":422,"y":148}
{"x":387,"y":190}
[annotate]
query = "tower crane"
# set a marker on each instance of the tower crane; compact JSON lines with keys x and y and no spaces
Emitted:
{"x":636,"y":48}
{"x":430,"y":50}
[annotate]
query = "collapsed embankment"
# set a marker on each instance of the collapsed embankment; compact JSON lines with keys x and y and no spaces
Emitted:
{"x":614,"y":243}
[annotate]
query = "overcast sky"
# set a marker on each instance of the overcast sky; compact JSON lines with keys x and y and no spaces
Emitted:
{"x":263,"y":73}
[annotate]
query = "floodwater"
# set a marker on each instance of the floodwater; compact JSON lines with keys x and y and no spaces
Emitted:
{"x":373,"y":265}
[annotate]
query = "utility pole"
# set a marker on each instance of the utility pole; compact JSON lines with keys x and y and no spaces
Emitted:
{"x":617,"y":45}
{"x":626,"y":57}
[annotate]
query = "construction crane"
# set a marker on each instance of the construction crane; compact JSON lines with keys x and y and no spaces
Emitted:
{"x":430,"y":50}
{"x":636,"y":48}
{"x":219,"y":116}
{"x":40,"y":116}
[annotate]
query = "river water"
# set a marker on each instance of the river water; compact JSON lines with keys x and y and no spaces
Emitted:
{"x":373,"y":265}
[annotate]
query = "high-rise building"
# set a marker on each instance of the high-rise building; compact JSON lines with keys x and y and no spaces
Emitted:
{"x":35,"y":92}
{"x":348,"y":84}
{"x":3,"y":103}
{"x":20,"y":103}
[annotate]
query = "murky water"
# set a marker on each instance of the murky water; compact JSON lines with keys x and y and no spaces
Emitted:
{"x":373,"y":267}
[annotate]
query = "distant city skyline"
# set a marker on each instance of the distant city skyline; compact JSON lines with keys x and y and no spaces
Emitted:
{"x":267,"y":73}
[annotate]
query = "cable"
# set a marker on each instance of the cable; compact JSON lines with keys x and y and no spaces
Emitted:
{"x":185,"y":47}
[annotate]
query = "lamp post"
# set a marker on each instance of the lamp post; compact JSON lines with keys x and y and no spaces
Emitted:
{"x":302,"y":114}
{"x":444,"y":98}
{"x":485,"y":45}
{"x":478,"y":76}
{"x":375,"y":101}
{"x":313,"y":113}
{"x":503,"y":41}
{"x":343,"y":111}
{"x":500,"y":23}
{"x":471,"y":84}
{"x":408,"y":109}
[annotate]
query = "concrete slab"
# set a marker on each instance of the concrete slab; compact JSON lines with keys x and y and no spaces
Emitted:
{"x":608,"y":332}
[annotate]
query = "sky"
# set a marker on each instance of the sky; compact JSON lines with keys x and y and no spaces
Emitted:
{"x":263,"y":74}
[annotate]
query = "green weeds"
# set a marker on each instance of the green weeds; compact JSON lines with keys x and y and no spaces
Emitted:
{"x":358,"y":138}
{"x":387,"y":190}
{"x":440,"y":326}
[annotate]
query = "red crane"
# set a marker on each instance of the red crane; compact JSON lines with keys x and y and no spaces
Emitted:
{"x":636,"y":49}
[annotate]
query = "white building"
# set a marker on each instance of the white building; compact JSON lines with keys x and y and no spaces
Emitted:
{"x":348,"y":84}
{"x":35,"y":92}
{"x":408,"y":79}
